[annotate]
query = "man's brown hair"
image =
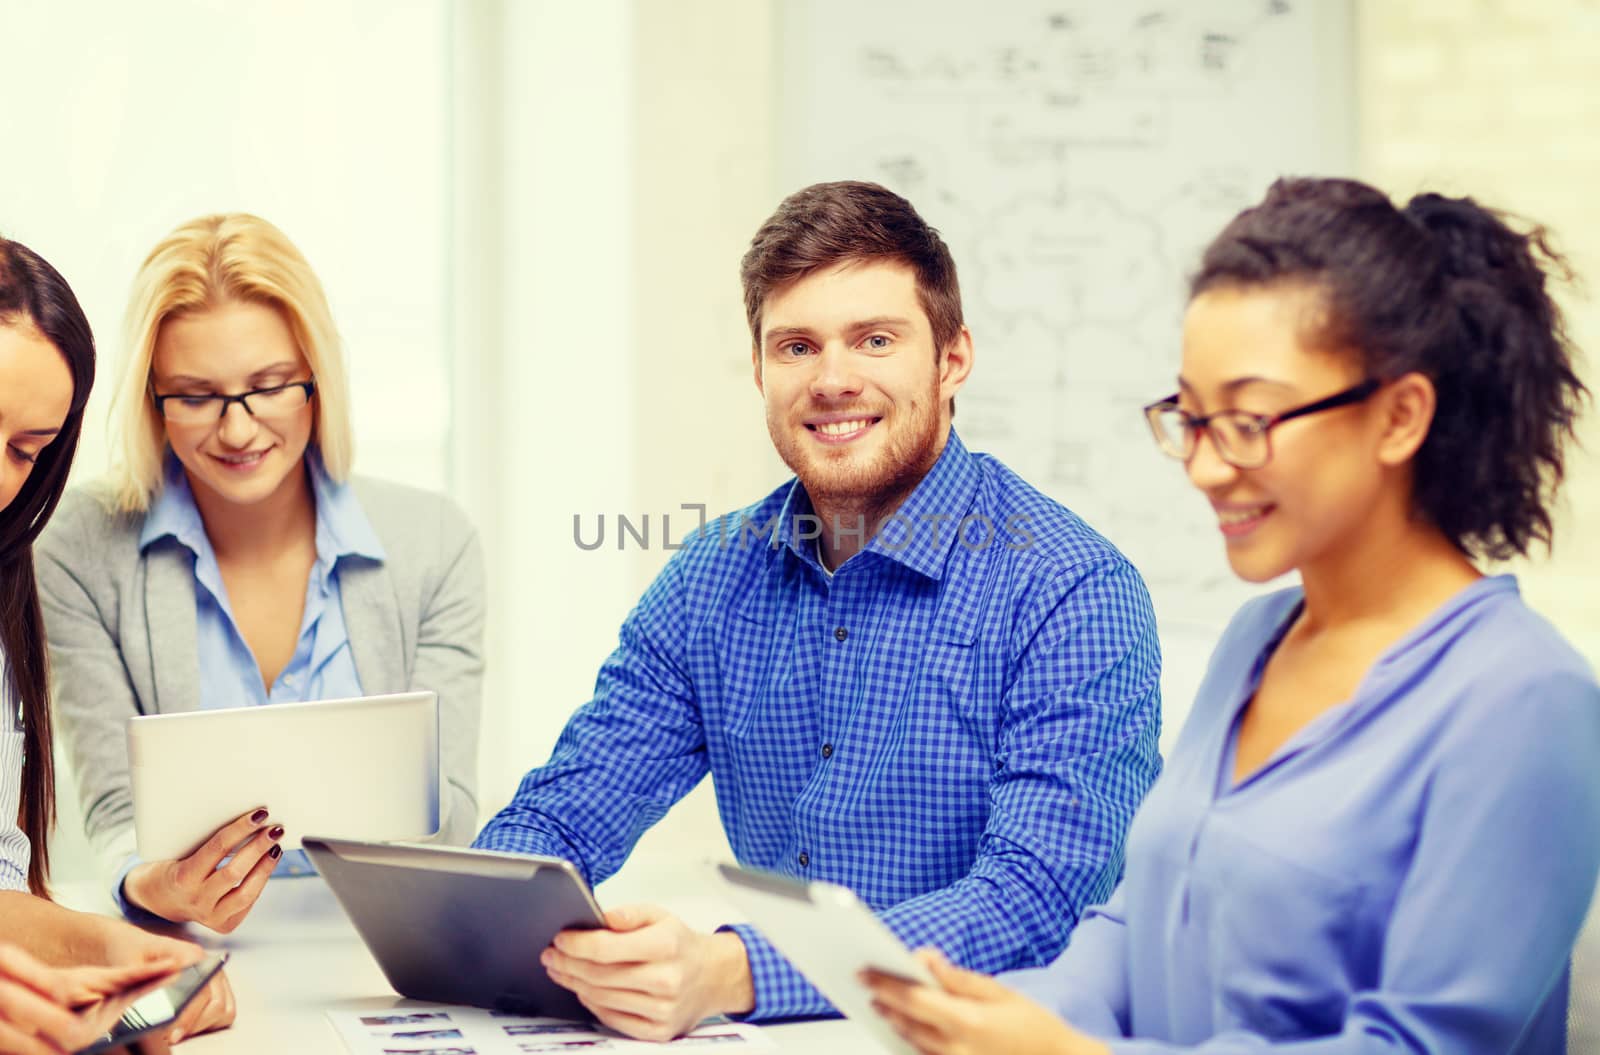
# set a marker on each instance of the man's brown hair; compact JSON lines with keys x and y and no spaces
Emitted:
{"x":831,"y":223}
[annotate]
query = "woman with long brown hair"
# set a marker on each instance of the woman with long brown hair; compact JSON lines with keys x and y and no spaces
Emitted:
{"x":46,"y":370}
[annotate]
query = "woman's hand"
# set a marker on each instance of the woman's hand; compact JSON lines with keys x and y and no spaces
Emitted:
{"x":972,"y":1014}
{"x":196,"y":890}
{"x":37,"y":1003}
{"x":211,"y":1009}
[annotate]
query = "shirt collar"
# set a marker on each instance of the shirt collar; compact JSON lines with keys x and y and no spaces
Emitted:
{"x":173,"y":513}
{"x":343,"y":529}
{"x":919,"y":534}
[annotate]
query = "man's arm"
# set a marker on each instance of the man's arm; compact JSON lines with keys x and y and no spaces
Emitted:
{"x":625,"y":757}
{"x":1077,"y":752}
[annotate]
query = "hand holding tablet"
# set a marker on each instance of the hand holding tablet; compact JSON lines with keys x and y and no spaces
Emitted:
{"x":150,"y":1007}
{"x":200,"y":888}
{"x":831,"y":937}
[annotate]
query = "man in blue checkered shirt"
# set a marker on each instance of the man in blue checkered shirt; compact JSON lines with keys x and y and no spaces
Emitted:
{"x":906,"y":670}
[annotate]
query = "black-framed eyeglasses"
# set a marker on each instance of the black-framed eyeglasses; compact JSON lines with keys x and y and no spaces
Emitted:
{"x":1242,"y":439}
{"x":275,"y":401}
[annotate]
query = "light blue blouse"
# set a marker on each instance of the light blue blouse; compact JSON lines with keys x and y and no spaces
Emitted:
{"x":322,"y":667}
{"x":1408,"y":873}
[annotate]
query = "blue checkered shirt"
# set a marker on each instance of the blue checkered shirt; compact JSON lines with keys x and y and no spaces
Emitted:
{"x":958,"y":724}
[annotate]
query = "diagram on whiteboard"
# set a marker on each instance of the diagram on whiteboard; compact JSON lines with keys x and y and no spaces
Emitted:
{"x":1076,"y":156}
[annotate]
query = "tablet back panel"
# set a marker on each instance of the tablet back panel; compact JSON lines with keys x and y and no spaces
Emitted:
{"x":460,"y":926}
{"x":365,"y":768}
{"x":830,"y":936}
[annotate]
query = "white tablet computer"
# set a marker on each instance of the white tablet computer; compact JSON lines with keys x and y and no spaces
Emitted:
{"x":365,"y":767}
{"x":830,"y":936}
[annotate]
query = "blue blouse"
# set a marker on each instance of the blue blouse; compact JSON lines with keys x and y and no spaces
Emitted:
{"x":322,"y":667}
{"x":1408,"y":873}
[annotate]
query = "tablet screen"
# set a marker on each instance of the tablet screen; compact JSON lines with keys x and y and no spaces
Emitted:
{"x":151,"y":1005}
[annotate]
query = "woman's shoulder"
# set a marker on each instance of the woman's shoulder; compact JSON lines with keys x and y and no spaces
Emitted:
{"x":1503,"y":648}
{"x":409,"y":518}
{"x":88,"y":526}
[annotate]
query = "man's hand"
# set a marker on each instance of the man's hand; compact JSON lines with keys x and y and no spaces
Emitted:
{"x":650,"y":976}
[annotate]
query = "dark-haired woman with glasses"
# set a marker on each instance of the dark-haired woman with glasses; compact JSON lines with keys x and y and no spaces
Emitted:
{"x":1379,"y":830}
{"x":50,"y":957}
{"x":231,"y":560}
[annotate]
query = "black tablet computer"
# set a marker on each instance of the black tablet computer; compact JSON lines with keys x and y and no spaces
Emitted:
{"x":149,"y":1006}
{"x":460,"y":926}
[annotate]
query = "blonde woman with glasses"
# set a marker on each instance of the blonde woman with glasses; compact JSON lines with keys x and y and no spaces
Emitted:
{"x":232,"y":560}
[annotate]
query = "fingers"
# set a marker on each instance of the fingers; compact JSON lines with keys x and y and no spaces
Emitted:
{"x":18,"y":966}
{"x":645,"y":1006}
{"x":14,"y":1040}
{"x":149,"y":1044}
{"x":657,"y":979}
{"x":258,"y":848}
{"x":223,"y":840}
{"x":643,"y":933}
{"x":632,"y":917}
{"x":929,"y":1039}
{"x":232,"y":908}
{"x":630,"y":1025}
{"x":198,"y":888}
{"x":212,"y":1008}
{"x":33,"y":1015}
{"x":958,"y":980}
{"x":189,"y":1021}
{"x":83,"y":985}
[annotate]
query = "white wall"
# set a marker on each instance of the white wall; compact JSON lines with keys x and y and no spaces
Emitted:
{"x":529,"y":213}
{"x":330,"y":120}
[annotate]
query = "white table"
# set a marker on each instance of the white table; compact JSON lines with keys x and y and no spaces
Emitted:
{"x":297,"y":956}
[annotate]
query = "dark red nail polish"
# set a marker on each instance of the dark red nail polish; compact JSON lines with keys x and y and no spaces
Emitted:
{"x":258,"y":816}
{"x":276,"y":833}
{"x":277,"y":851}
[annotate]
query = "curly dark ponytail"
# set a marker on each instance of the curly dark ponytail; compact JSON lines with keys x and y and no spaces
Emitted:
{"x":1449,"y":289}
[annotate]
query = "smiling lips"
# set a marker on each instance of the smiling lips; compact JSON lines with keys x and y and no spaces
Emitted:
{"x":841,"y":431}
{"x":243,"y":461}
{"x":1237,"y":521}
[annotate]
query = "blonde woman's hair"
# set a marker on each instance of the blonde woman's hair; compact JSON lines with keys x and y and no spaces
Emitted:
{"x":204,"y":264}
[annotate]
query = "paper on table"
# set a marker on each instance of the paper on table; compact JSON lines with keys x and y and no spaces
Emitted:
{"x":450,"y":1029}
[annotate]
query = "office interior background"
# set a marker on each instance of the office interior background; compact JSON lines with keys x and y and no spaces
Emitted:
{"x":528,"y":216}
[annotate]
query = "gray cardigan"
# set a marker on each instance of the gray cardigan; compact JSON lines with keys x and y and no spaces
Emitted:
{"x":123,"y":640}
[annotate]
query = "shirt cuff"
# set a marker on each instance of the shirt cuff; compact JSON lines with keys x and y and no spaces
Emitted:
{"x":781,"y":991}
{"x":131,"y":912}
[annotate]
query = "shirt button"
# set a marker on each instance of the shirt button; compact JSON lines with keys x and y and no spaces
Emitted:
{"x":827,"y":750}
{"x":840,"y":634}
{"x":805,"y":859}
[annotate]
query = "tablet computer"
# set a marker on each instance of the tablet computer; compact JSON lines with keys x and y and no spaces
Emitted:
{"x":366,"y":767}
{"x":830,"y":936}
{"x":149,"y":1006}
{"x":460,"y":926}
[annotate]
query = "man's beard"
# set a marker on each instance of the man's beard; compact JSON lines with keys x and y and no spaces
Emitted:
{"x":877,"y":486}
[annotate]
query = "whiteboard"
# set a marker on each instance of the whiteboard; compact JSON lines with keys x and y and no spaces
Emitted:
{"x":1077,"y":155}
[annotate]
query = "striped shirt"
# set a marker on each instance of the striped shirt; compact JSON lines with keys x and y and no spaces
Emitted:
{"x":15,"y":853}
